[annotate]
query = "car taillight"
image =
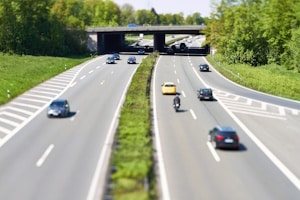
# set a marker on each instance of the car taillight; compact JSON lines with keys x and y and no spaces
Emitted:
{"x":236,"y":138}
{"x":219,"y":137}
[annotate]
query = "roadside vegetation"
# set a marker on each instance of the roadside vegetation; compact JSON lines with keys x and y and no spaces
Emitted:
{"x":133,"y":177}
{"x":20,"y":73}
{"x":272,"y":79}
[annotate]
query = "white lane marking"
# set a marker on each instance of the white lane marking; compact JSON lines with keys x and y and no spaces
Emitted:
{"x":102,"y":82}
{"x":73,"y":84}
{"x":41,"y":161}
{"x":175,"y":72}
{"x":25,"y":105}
{"x":82,"y":77}
{"x":161,"y":166}
{"x":44,"y":86}
{"x":183,"y":94}
{"x":112,"y":72}
{"x":292,"y":177}
{"x":91,"y":71}
{"x":193,"y":114}
{"x":98,"y":67}
{"x":98,"y":181}
{"x":9,"y":122}
{"x":14,"y":115}
{"x":178,"y":81}
{"x":4,"y":130}
{"x":213,"y":152}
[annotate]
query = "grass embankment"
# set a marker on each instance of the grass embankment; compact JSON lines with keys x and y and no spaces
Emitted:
{"x":20,"y":73}
{"x":134,"y":178}
{"x":271,"y":79}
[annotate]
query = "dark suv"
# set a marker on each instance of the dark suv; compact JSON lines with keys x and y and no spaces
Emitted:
{"x":205,"y":94}
{"x":223,"y":137}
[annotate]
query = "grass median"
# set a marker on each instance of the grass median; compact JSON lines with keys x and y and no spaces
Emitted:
{"x":134,"y":177}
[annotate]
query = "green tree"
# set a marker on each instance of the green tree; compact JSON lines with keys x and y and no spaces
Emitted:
{"x":127,"y":15}
{"x":277,"y":25}
{"x":145,"y":17}
{"x":25,"y":26}
{"x":194,"y":19}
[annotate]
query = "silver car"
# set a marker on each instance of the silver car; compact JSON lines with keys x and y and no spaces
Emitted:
{"x":58,"y":108}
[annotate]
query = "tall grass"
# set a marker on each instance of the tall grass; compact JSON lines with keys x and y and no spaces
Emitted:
{"x":134,"y":178}
{"x":20,"y":73}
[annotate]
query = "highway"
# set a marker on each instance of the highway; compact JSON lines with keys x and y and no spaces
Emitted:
{"x":65,"y":158}
{"x":42,"y":158}
{"x":265,"y":166}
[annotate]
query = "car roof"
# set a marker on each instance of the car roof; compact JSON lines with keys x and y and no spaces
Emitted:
{"x":205,"y":89}
{"x":225,"y":129}
{"x":59,"y":100}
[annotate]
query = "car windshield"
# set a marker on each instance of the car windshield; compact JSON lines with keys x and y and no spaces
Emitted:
{"x":57,"y":104}
{"x":169,"y":85}
{"x":228,"y":133}
{"x":206,"y":91}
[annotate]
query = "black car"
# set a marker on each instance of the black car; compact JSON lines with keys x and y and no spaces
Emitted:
{"x":205,"y":94}
{"x":141,"y":51}
{"x":223,"y":137}
{"x":131,"y":60}
{"x":110,"y":60}
{"x":204,"y":67}
{"x":116,"y":56}
{"x":58,"y":108}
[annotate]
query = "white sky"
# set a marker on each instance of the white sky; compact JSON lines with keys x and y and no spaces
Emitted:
{"x":187,"y":7}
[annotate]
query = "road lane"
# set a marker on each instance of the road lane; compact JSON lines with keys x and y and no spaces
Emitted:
{"x":191,"y":170}
{"x":57,"y":158}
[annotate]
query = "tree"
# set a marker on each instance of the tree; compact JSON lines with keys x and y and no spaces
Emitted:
{"x":194,"y":19}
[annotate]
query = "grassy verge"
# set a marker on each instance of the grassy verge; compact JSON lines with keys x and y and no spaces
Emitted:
{"x":134,"y":177}
{"x":271,"y":79}
{"x":20,"y":73}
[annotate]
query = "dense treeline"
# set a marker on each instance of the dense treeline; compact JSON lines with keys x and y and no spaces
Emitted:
{"x":257,"y":32}
{"x":47,"y":27}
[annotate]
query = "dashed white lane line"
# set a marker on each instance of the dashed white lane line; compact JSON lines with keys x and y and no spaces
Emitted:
{"x":213,"y":152}
{"x":43,"y":158}
{"x":183,"y":94}
{"x":102,"y":82}
{"x":91,"y":71}
{"x":82,"y":77}
{"x":193,"y":114}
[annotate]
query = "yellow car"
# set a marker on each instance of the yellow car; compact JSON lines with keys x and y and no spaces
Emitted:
{"x":168,"y":88}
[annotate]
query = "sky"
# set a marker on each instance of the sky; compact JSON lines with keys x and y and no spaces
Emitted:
{"x":187,"y":7}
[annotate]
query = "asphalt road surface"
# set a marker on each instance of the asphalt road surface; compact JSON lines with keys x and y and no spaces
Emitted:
{"x":57,"y":159}
{"x":266,"y":166}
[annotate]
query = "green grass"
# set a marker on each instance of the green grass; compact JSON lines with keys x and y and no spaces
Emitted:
{"x":20,"y":73}
{"x":134,"y":178}
{"x":271,"y":79}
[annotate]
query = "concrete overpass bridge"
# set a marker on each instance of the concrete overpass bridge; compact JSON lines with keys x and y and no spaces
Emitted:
{"x":107,"y":39}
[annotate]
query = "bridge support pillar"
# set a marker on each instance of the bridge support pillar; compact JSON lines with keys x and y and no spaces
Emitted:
{"x":159,"y":42}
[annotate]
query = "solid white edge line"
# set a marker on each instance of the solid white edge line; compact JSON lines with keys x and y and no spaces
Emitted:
{"x":260,"y":145}
{"x":161,"y":167}
{"x":97,"y":186}
{"x":43,"y":158}
{"x":213,"y":152}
